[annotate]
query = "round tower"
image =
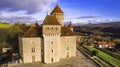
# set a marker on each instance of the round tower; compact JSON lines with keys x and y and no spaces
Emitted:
{"x":57,"y":11}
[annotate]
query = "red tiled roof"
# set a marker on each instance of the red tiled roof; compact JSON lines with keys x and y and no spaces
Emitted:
{"x":102,"y":43}
{"x":111,"y":44}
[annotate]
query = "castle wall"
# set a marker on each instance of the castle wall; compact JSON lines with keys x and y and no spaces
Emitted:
{"x":67,"y":46}
{"x":31,"y":49}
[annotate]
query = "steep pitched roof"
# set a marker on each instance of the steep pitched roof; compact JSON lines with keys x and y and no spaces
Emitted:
{"x":65,"y":31}
{"x":33,"y":31}
{"x":57,"y":9}
{"x":50,"y":20}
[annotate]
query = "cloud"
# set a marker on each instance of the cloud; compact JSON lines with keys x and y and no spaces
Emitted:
{"x":31,"y":6}
{"x":88,"y":17}
{"x":16,"y":17}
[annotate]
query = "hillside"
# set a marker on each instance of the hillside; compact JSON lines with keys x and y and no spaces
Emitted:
{"x":5,"y":25}
{"x":103,"y":30}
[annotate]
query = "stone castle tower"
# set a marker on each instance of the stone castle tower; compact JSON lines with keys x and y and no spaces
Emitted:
{"x":51,"y":33}
{"x":49,"y":42}
{"x":57,"y":11}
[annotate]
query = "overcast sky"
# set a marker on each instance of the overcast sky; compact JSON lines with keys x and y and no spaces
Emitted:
{"x":77,"y":11}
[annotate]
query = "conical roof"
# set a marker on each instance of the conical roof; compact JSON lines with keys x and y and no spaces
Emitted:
{"x":57,"y":9}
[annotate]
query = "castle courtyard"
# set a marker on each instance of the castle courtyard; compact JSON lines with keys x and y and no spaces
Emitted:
{"x":79,"y":61}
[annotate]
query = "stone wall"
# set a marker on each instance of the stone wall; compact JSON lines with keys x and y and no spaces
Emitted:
{"x":31,"y":49}
{"x":67,"y":46}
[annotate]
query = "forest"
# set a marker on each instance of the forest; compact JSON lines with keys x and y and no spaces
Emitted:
{"x":9,"y":34}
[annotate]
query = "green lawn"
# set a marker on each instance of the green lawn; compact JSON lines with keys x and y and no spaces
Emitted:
{"x":107,"y":57}
{"x":101,"y":62}
{"x":5,"y":26}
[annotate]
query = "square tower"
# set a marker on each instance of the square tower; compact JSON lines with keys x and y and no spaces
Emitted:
{"x":51,"y":31}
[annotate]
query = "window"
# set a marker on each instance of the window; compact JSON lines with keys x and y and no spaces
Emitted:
{"x":56,"y":28}
{"x":32,"y":42}
{"x":52,"y":50}
{"x":33,"y":49}
{"x":52,"y":28}
{"x":67,"y":54}
{"x":52,"y":42}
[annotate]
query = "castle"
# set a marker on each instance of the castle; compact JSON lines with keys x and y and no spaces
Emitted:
{"x":48,"y":42}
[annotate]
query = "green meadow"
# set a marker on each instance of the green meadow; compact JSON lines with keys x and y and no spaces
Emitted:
{"x":5,"y":25}
{"x":106,"y":57}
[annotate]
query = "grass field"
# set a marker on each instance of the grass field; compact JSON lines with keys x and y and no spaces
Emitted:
{"x":5,"y":26}
{"x":106,"y":57}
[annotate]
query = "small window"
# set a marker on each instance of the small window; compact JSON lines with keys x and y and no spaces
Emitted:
{"x":56,"y":28}
{"x":52,"y":50}
{"x":33,"y":49}
{"x":52,"y":28}
{"x":67,"y":54}
{"x":52,"y":42}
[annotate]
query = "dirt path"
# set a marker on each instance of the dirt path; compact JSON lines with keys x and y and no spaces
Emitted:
{"x":79,"y":61}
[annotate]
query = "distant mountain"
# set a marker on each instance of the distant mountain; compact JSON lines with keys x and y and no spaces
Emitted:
{"x":109,"y":23}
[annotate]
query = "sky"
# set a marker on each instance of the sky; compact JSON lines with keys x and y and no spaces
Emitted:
{"x":77,"y":11}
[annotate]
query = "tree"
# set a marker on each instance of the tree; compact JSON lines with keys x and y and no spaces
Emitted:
{"x":94,"y":52}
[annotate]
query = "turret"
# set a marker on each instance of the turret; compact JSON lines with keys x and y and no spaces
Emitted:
{"x":70,"y":26}
{"x":57,"y":11}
